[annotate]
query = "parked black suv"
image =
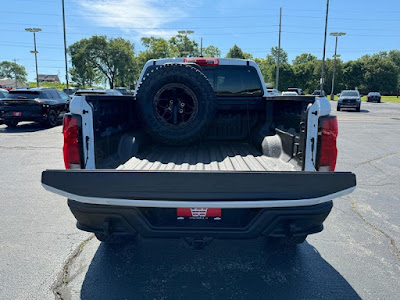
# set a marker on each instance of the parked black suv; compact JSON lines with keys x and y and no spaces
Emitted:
{"x":42,"y":105}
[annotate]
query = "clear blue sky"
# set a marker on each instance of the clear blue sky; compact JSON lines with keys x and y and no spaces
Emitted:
{"x":371,"y":26}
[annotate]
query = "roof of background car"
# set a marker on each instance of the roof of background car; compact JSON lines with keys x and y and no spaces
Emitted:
{"x":93,"y":91}
{"x":26,"y":90}
{"x":31,"y":89}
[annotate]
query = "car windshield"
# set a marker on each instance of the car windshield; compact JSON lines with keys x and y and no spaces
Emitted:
{"x":349,"y":94}
{"x":23,"y":95}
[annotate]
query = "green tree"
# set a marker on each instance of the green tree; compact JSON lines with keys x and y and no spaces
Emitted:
{"x":112,"y":58}
{"x":235,"y":52}
{"x":379,"y":74}
{"x":273,"y":56}
{"x":353,"y":75}
{"x":83,"y":73}
{"x":394,"y":56}
{"x":304,"y":58}
{"x":211,"y":51}
{"x":12,"y":70}
{"x":156,"y":48}
{"x":185,"y":46}
{"x":286,"y":75}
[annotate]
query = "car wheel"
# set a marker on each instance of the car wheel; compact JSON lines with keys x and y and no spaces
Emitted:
{"x":338,"y":108}
{"x":11,"y":123}
{"x":52,"y":118}
{"x":358,"y":108}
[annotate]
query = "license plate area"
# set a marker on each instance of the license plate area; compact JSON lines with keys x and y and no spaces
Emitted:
{"x":198,"y":213}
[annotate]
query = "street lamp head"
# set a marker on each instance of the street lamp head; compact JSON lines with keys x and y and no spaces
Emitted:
{"x":33,"y":29}
{"x":35,"y":52}
{"x":337,"y":33}
{"x":185,"y":31}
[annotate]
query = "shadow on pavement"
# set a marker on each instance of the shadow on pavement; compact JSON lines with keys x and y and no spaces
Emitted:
{"x":225,"y":270}
{"x":24,"y":127}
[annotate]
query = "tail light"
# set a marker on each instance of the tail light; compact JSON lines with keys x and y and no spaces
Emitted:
{"x":71,"y":132}
{"x":327,"y":153}
{"x":202,"y":61}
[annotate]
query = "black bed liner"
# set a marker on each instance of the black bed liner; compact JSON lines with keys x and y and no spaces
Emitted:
{"x":211,"y":156}
{"x":198,"y":185}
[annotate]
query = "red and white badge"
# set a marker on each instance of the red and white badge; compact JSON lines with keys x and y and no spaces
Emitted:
{"x":17,"y":114}
{"x":198,"y":213}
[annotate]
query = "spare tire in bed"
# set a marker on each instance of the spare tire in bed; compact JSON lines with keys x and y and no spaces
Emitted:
{"x":176,"y":103}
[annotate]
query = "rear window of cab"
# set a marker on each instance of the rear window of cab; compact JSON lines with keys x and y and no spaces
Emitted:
{"x":234,"y":80}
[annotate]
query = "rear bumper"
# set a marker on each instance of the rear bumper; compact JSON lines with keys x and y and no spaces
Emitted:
{"x":235,"y":223}
{"x":25,"y":116}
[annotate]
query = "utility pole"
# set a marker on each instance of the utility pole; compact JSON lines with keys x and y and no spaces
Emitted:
{"x":335,"y":34}
{"x":34,"y":30}
{"x":201,"y":47}
{"x":15,"y":73}
{"x":185,"y":34}
{"x":279,"y":50}
{"x":65,"y":48}
{"x":323,"y":55}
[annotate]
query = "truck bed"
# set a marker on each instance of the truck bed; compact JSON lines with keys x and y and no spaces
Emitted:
{"x":212,"y":156}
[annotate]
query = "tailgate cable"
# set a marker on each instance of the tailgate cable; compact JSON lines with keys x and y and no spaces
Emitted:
{"x":87,"y":150}
{"x":312,"y":153}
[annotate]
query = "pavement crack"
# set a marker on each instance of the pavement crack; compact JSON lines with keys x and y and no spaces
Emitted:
{"x":25,"y":148}
{"x":378,"y":158}
{"x":392,"y":244}
{"x":63,"y":277}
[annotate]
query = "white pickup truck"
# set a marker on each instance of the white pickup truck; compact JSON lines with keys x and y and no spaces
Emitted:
{"x":201,"y":151}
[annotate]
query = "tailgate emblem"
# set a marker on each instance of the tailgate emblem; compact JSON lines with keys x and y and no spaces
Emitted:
{"x":198,"y":212}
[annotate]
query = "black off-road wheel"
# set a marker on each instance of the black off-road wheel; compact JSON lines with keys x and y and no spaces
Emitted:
{"x":176,"y":103}
{"x":11,"y":123}
{"x":52,"y":119}
{"x":338,"y":108}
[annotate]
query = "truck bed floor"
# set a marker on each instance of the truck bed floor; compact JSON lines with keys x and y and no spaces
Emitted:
{"x":215,"y":156}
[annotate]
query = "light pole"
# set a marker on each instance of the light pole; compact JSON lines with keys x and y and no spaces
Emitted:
{"x":34,"y":30}
{"x":322,"y":80}
{"x":279,"y":51}
{"x":335,"y":34}
{"x":185,"y":34}
{"x":65,"y":48}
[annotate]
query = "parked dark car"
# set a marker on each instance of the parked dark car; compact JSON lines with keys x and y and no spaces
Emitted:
{"x":318,"y":93}
{"x":374,"y":96}
{"x":124,"y":91}
{"x":70,"y":91}
{"x":42,"y":105}
{"x":97,"y":92}
{"x":349,"y":99}
{"x":297,"y":90}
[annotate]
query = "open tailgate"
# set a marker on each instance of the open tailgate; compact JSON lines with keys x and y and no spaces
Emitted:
{"x":199,"y":189}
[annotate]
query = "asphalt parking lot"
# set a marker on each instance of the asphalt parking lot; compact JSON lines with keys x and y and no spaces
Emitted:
{"x":356,"y":256}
